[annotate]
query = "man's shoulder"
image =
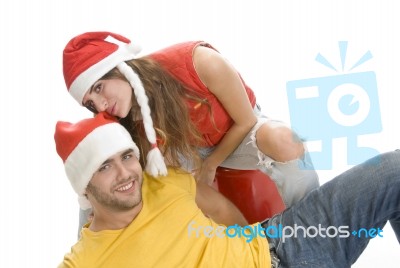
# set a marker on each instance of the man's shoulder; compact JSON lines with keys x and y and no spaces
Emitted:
{"x":176,"y":177}
{"x":74,"y":258}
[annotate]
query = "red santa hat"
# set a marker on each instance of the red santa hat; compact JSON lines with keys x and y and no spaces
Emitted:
{"x":85,"y":145}
{"x":89,"y":56}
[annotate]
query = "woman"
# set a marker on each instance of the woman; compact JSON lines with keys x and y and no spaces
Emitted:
{"x":204,"y":114}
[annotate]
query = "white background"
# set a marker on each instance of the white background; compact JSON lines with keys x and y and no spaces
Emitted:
{"x":269,"y":44}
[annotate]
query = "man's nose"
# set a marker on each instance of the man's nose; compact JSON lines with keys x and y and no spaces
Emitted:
{"x":123,"y":172}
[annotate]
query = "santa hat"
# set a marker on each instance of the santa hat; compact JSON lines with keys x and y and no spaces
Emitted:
{"x":85,"y":145}
{"x":89,"y":56}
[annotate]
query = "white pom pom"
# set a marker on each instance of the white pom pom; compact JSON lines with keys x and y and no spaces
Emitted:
{"x":84,"y":202}
{"x":134,"y":48}
{"x":155,"y":163}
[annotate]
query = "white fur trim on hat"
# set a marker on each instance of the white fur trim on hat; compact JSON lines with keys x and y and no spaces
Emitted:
{"x":86,"y":79}
{"x":88,"y":156}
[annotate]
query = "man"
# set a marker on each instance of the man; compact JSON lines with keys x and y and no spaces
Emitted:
{"x":141,"y":221}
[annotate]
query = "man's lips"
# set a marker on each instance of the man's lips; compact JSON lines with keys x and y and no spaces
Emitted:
{"x":128,"y":187}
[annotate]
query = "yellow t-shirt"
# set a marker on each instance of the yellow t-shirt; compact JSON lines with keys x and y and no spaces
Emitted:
{"x":170,"y":231}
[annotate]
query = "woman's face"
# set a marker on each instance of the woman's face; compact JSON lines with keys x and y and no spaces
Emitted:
{"x":112,"y":95}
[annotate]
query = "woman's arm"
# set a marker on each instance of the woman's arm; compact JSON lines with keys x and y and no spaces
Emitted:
{"x":223,"y":81}
{"x":214,"y":205}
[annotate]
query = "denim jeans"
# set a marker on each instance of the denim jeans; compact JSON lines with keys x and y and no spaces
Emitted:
{"x":365,"y":196}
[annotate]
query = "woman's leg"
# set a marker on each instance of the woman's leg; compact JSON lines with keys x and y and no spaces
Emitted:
{"x":293,"y":178}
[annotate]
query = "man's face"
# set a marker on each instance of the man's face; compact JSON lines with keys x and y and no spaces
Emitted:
{"x":117,"y":184}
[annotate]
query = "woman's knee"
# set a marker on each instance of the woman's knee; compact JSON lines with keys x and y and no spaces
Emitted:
{"x":279,"y":142}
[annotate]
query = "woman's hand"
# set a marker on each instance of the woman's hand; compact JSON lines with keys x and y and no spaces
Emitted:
{"x":206,"y":173}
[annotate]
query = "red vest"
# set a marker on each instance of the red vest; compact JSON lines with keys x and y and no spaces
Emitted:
{"x":178,"y":61}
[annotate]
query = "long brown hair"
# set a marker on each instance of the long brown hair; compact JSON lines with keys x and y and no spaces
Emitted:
{"x":176,"y":133}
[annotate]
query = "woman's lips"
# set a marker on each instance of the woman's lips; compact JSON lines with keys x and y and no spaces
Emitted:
{"x":112,"y":110}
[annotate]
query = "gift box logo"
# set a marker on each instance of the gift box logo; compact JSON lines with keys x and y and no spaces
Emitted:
{"x":339,"y":106}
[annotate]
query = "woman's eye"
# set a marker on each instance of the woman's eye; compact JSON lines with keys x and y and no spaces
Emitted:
{"x":90,"y":106}
{"x":98,"y":88}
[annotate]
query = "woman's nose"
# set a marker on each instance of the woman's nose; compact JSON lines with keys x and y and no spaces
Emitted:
{"x":102,"y":105}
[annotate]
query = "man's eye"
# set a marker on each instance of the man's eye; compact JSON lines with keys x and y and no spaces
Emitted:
{"x":127,"y":156}
{"x":103,"y":168}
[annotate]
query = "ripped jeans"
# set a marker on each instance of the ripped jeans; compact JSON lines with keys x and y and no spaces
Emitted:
{"x":294,"y":179}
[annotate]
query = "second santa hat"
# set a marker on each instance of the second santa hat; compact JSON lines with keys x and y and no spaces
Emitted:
{"x":85,"y":145}
{"x":89,"y":56}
